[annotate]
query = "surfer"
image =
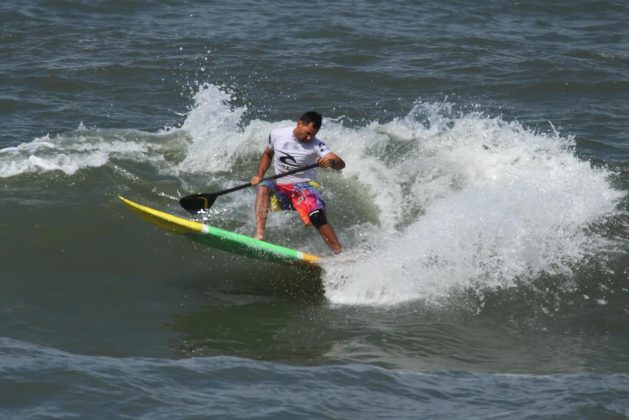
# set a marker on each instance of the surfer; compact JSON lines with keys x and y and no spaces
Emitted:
{"x":289,"y":148}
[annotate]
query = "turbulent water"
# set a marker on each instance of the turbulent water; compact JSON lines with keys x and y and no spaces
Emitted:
{"x":483,"y":210}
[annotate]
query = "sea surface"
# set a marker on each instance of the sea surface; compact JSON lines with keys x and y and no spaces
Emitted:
{"x":483,"y":210}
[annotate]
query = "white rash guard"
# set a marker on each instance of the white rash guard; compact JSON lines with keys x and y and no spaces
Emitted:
{"x":291,"y":153}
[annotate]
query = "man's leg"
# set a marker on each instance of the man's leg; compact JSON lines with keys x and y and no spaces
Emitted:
{"x":319,"y":221}
{"x":262,"y":210}
{"x":329,"y":236}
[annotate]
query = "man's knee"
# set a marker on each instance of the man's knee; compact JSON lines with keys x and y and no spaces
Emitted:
{"x":317,"y":218}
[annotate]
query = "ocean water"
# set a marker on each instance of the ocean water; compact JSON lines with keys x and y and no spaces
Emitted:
{"x":483,"y":210}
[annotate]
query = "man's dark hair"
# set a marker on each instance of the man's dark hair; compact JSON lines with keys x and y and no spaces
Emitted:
{"x":312,"y":117}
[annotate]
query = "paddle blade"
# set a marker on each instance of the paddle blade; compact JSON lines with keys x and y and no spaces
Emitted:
{"x":197,"y":202}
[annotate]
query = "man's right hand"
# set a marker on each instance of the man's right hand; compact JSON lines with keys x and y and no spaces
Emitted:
{"x":265,"y":161}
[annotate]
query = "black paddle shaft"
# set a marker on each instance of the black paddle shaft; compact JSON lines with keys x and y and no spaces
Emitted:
{"x":196,"y":202}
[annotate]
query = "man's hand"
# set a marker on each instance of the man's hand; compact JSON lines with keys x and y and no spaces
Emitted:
{"x":265,"y":161}
{"x":331,"y":161}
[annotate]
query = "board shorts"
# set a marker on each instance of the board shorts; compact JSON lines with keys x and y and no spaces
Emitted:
{"x":303,"y":197}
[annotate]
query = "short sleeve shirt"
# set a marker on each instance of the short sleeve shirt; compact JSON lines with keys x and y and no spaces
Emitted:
{"x":290,"y":153}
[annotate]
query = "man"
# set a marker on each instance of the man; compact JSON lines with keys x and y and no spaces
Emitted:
{"x":291,"y":148}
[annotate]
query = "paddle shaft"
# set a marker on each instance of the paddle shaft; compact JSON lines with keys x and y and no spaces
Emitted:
{"x":195,"y":202}
{"x":240,"y":187}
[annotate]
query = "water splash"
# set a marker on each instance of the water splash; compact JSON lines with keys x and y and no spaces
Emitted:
{"x":493,"y":202}
{"x":217,"y":140}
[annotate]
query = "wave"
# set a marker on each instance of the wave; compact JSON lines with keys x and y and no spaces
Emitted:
{"x":42,"y":381}
{"x":437,"y":200}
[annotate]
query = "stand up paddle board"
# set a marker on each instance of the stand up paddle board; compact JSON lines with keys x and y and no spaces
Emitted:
{"x":220,"y":238}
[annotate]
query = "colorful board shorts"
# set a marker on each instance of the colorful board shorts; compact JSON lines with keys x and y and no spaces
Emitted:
{"x":303,"y":197}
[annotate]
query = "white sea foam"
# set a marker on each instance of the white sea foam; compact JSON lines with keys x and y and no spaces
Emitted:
{"x":209,"y":140}
{"x":498,"y":203}
{"x":214,"y":127}
{"x":71,"y":152}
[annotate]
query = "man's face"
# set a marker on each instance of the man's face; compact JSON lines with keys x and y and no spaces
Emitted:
{"x":305,"y":132}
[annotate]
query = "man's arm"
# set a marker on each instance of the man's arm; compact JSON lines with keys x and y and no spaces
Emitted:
{"x":331,"y":160}
{"x":265,"y":161}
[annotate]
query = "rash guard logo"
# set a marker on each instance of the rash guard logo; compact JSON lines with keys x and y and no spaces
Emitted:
{"x":287,"y":159}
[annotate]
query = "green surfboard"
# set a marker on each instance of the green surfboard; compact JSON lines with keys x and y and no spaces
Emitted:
{"x":222,"y":239}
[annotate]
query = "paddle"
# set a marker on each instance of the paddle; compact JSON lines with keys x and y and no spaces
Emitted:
{"x":196,"y":202}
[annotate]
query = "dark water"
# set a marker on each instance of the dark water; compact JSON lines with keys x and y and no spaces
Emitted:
{"x":483,"y":210}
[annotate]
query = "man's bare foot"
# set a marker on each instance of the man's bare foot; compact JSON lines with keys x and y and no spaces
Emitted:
{"x":259,"y":237}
